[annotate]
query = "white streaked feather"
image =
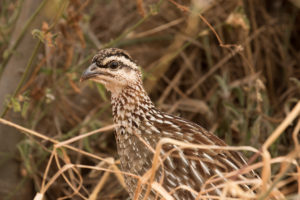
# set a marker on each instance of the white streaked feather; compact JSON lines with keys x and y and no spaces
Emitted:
{"x":216,"y":189}
{"x":230,"y":163}
{"x":208,"y":157}
{"x":153,"y":128}
{"x":205,"y":168}
{"x":182,"y":156}
{"x":196,"y":173}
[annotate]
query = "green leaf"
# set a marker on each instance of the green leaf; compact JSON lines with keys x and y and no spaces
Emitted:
{"x":6,"y":53}
{"x":16,"y":105}
{"x":239,"y":93}
{"x":25,"y":149}
{"x":25,"y":109}
{"x":38,"y":34}
{"x":101,"y":90}
{"x":86,"y":145}
{"x":255,"y":130}
{"x":224,"y":87}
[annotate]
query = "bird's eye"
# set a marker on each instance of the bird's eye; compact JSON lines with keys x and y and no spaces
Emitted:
{"x":113,"y":65}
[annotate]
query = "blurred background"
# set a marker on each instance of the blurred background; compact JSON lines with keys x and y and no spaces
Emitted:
{"x":238,"y":78}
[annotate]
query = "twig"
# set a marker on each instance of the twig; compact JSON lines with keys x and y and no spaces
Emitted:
{"x":24,"y":76}
{"x":20,"y":37}
{"x":266,"y":171}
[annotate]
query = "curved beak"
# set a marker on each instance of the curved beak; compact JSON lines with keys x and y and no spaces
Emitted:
{"x":90,"y":72}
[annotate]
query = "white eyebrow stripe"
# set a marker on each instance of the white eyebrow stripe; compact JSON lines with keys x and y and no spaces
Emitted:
{"x":120,"y":59}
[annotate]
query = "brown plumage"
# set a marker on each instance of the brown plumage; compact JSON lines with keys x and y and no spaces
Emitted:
{"x":141,"y":126}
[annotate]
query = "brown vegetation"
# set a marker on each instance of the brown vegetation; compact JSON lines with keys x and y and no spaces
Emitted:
{"x":231,"y":66}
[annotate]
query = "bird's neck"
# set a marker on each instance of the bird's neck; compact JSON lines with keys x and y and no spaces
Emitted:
{"x":131,"y":104}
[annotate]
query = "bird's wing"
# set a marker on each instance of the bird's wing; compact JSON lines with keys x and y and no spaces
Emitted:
{"x":193,"y":166}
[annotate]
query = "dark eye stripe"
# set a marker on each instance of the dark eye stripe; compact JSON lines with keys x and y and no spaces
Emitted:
{"x":98,"y":64}
{"x":119,"y":55}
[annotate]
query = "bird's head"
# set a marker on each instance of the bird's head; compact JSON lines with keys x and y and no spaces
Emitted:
{"x":114,"y":68}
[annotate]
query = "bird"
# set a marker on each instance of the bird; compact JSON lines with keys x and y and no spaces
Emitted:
{"x":139,"y":128}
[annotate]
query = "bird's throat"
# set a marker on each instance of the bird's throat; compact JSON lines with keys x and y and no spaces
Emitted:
{"x":131,"y":106}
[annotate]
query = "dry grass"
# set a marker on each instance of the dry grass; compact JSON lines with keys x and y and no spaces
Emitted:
{"x":231,"y":66}
{"x":270,"y":184}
